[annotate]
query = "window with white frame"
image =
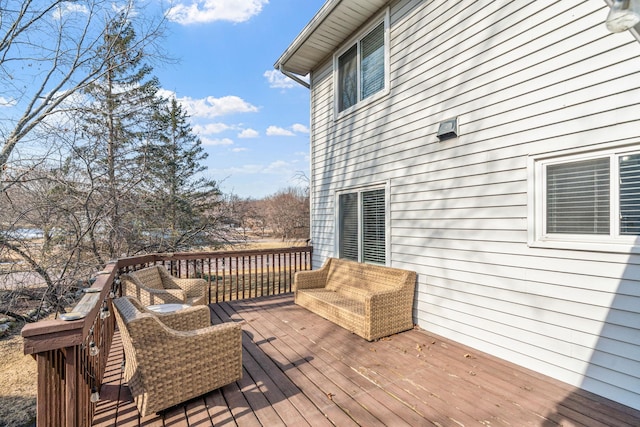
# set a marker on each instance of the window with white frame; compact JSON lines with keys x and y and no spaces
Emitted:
{"x":362,"y":67}
{"x":588,"y":198}
{"x":362,"y":225}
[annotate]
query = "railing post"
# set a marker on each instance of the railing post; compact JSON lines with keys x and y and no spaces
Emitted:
{"x":71,"y":385}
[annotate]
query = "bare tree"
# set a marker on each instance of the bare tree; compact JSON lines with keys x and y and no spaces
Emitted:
{"x":52,"y":203}
{"x":49,"y":53}
{"x":287,"y":213}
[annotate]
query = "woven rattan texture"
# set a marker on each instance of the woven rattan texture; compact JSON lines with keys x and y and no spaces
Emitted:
{"x":369,"y":300}
{"x":166,"y":366}
{"x":154,"y":285}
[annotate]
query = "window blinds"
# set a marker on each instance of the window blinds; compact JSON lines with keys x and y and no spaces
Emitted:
{"x":630,"y":194}
{"x":373,"y":226}
{"x":578,"y":197}
{"x":372,"y":62}
{"x":348,"y":218}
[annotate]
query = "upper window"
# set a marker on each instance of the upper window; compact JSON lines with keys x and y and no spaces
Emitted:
{"x":362,"y":67}
{"x":588,"y":199}
{"x":362,"y":226}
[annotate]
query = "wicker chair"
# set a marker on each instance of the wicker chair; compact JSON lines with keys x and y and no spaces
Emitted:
{"x":154,"y":285}
{"x":175,"y":357}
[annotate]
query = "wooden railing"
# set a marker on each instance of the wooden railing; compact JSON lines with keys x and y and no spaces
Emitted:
{"x":71,"y":355}
{"x":69,"y":370}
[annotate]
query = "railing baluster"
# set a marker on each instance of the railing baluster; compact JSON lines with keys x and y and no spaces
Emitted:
{"x":244,"y":275}
{"x":261,"y":275}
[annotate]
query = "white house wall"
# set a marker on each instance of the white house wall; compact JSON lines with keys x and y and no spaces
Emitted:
{"x":524,"y":78}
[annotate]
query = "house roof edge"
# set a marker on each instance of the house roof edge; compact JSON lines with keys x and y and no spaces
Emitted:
{"x":304,"y":35}
{"x":328,"y":29}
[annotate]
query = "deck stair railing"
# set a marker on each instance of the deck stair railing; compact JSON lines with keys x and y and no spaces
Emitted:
{"x":71,"y":355}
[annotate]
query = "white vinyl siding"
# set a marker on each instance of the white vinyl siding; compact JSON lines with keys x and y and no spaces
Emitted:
{"x":526,"y":80}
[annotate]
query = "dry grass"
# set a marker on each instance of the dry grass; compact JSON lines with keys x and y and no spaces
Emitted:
{"x":252,"y":244}
{"x":17,"y":383}
{"x":18,"y":372}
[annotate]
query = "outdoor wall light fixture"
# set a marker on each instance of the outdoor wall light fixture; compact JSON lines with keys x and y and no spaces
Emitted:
{"x":448,"y":129}
{"x":624,"y":15}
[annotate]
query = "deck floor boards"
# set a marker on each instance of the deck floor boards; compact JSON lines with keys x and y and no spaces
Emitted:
{"x":300,"y":369}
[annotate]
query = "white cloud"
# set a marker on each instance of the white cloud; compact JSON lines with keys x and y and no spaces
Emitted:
{"x":295,"y":128}
{"x":277,"y":80}
{"x":67,"y":8}
{"x":203,"y":11}
{"x":300,"y":128}
{"x":278,"y":131}
{"x":4,"y":102}
{"x":212,"y":142}
{"x":248,"y":133}
{"x":278,"y":167}
{"x":126,"y":9}
{"x":211,"y":106}
{"x":166,"y":93}
{"x":211,"y":128}
{"x":239,"y":149}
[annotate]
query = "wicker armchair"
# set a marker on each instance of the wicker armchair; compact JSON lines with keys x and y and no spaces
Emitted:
{"x":175,"y":357}
{"x":154,"y":285}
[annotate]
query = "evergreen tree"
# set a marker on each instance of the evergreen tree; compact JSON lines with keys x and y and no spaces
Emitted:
{"x":181,"y":200}
{"x":115,"y":126}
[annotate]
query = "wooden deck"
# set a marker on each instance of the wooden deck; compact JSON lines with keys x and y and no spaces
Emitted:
{"x":300,"y":369}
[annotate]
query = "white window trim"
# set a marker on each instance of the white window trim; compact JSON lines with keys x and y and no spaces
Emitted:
{"x":536,"y":217}
{"x":387,"y":218}
{"x":382,"y":17}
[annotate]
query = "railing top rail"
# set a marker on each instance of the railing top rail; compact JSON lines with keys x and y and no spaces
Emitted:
{"x":48,"y":335}
{"x":216,"y":254}
{"x":168,"y":256}
{"x":136,"y":260}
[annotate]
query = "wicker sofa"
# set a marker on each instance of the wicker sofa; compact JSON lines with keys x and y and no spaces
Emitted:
{"x":154,"y":285}
{"x":173,"y":357}
{"x":370,"y":300}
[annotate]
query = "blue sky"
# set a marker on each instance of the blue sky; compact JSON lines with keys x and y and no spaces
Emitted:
{"x":253,"y":123}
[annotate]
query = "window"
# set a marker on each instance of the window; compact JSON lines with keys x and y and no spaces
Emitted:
{"x":362,"y":225}
{"x":588,"y":199}
{"x":362,"y":68}
{"x":578,"y":197}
